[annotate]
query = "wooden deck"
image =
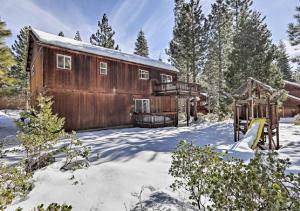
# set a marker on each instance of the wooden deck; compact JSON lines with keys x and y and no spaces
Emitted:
{"x":177,"y":88}
{"x":154,"y":120}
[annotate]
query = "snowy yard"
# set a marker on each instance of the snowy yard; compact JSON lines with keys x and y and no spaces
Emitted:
{"x":125,"y":160}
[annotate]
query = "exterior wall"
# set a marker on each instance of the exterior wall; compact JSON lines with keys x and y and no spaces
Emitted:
{"x":289,"y":108}
{"x":90,"y":100}
{"x":36,"y":72}
{"x":292,"y":89}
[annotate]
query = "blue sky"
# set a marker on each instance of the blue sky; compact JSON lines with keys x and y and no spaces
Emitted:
{"x":127,"y":17}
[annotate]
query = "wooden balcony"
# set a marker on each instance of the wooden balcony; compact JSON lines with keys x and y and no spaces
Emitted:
{"x":177,"y":88}
{"x":154,"y":120}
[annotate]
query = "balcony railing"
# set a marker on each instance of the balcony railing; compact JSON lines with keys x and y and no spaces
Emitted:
{"x":177,"y":87}
{"x":155,"y":119}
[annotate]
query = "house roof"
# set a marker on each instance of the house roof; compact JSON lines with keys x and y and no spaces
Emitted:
{"x":72,"y":44}
{"x":292,"y":83}
{"x":294,"y":98}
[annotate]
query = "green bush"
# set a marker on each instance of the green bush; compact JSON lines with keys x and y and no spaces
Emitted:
{"x":51,"y":207}
{"x":40,"y":130}
{"x":14,"y":182}
{"x":217,"y":181}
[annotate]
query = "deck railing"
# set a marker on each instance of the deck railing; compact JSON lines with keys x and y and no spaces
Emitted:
{"x":176,"y":86}
{"x":155,"y":119}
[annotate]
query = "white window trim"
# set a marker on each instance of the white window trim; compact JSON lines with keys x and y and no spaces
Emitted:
{"x":100,"y":68}
{"x":64,"y":56}
{"x":148,"y":100}
{"x":141,"y":72}
{"x":167,"y":76}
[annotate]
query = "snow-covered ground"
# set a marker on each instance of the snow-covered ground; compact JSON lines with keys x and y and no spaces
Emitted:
{"x":131,"y":159}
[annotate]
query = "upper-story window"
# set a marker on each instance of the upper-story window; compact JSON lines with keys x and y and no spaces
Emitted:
{"x":103,"y":68}
{"x":144,"y":74}
{"x":63,"y":61}
{"x":166,"y":78}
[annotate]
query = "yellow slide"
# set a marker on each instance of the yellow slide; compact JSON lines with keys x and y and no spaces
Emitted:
{"x":261,"y":122}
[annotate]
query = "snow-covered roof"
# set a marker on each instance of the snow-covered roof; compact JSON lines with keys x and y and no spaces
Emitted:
{"x":292,"y":83}
{"x":294,"y":97}
{"x":72,"y":44}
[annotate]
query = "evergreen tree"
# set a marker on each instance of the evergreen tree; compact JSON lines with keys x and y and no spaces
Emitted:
{"x":283,"y":62}
{"x":220,"y":41}
{"x":6,"y":58}
{"x":188,"y":47}
{"x":41,"y":129}
{"x":77,"y":36}
{"x":239,"y":9}
{"x":141,"y":45}
{"x":19,"y":49}
{"x":253,"y":53}
{"x":104,"y":35}
{"x":294,"y":33}
{"x":61,"y":34}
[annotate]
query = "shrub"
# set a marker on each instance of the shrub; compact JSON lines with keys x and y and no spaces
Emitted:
{"x":14,"y":182}
{"x":51,"y":207}
{"x":40,"y":130}
{"x":297,"y":119}
{"x":217,"y":181}
{"x":73,"y":152}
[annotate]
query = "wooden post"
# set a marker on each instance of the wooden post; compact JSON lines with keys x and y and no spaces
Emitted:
{"x":234,"y":120}
{"x":187,"y":112}
{"x":269,"y":123}
{"x":277,"y":127}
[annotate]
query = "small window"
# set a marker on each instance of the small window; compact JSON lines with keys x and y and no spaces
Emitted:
{"x":103,"y":68}
{"x":166,"y":78}
{"x":142,"y":106}
{"x":144,"y":74}
{"x":64,"y":62}
{"x":32,"y":70}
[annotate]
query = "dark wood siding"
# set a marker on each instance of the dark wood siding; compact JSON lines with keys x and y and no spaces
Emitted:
{"x":88,"y":99}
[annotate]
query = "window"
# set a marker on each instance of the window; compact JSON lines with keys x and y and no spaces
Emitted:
{"x":142,"y":106}
{"x":166,"y":78}
{"x":144,"y":74}
{"x":32,"y":70}
{"x":103,"y":68}
{"x":63,"y":62}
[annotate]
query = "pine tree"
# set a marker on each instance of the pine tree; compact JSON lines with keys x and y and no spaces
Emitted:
{"x":19,"y":49}
{"x":61,"y":34}
{"x":253,"y":53}
{"x":294,"y":33}
{"x":220,"y":41}
{"x":239,"y":9}
{"x":41,"y":129}
{"x":77,"y":36}
{"x":141,"y":45}
{"x":6,"y":58}
{"x":283,"y":62}
{"x":104,"y":35}
{"x":188,"y":47}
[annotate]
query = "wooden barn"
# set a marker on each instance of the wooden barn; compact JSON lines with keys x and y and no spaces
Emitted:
{"x":291,"y":106}
{"x":95,"y":87}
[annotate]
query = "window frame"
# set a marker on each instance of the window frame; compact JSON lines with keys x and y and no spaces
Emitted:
{"x":142,"y":72}
{"x":166,"y":75}
{"x":100,"y":68}
{"x":143,"y":112}
{"x":64,"y":63}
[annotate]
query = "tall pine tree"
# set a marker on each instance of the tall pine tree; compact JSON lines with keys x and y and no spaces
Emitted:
{"x":141,"y":45}
{"x":253,"y":53}
{"x":6,"y":58}
{"x":104,"y":35}
{"x":77,"y":36}
{"x":294,"y":34}
{"x":188,"y":47}
{"x":220,"y":41}
{"x":282,"y":61}
{"x":61,"y":34}
{"x":19,"y":50}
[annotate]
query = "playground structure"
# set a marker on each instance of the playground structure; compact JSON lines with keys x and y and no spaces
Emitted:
{"x":255,"y":100}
